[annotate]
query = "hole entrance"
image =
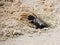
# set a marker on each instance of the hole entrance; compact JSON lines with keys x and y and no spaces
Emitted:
{"x":37,"y":22}
{"x":9,"y":0}
{"x":1,"y":4}
{"x":30,"y":17}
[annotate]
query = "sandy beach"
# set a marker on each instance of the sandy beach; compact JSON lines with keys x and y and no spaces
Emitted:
{"x":15,"y":28}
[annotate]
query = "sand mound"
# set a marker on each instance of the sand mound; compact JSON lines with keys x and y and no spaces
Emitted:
{"x":11,"y":11}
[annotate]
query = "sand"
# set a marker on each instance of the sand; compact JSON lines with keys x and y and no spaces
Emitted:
{"x":15,"y":29}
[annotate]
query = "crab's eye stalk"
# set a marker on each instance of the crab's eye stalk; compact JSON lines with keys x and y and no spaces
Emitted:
{"x":30,"y":17}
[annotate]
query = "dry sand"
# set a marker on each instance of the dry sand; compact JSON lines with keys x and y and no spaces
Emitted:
{"x":14,"y":26}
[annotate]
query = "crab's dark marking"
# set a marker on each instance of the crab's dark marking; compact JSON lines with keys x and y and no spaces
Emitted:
{"x":37,"y":22}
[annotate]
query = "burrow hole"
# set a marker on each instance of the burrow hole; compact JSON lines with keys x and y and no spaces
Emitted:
{"x":37,"y":22}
